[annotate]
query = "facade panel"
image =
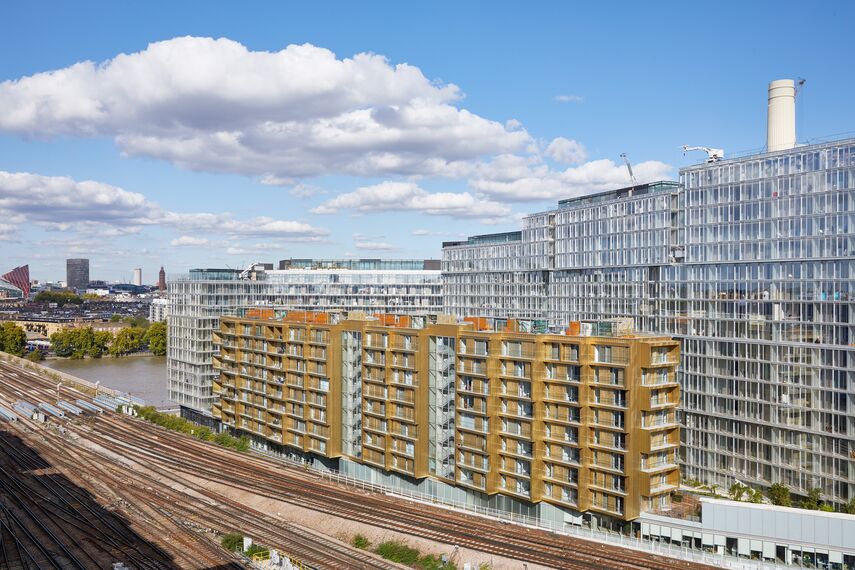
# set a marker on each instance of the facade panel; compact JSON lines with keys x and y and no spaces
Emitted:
{"x":197,"y":301}
{"x":751,"y":262}
{"x":584,"y":423}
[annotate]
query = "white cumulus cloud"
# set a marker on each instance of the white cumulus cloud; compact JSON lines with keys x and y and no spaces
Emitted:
{"x":215,"y":105}
{"x":566,"y":150}
{"x":374,"y":246}
{"x":540,"y":183}
{"x":408,"y":196}
{"x":63,"y":204}
{"x":189,"y":241}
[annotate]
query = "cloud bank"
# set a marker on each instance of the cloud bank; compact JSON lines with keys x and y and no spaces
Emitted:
{"x":63,"y":204}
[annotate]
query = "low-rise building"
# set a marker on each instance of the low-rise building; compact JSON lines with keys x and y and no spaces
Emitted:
{"x":498,"y":412}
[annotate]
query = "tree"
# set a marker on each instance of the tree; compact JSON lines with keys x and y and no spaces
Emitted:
{"x":77,"y":343}
{"x":813,"y":500}
{"x":850,"y":507}
{"x":755,"y":495}
{"x":35,"y":356}
{"x":101,"y":340}
{"x":138,"y":322}
{"x":13,"y":339}
{"x":155,"y":338}
{"x":114,"y":318}
{"x":780,"y":495}
{"x":127,"y":340}
{"x":59,"y":297}
{"x":737,"y":490}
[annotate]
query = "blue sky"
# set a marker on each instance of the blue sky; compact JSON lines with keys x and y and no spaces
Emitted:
{"x":457,"y":118}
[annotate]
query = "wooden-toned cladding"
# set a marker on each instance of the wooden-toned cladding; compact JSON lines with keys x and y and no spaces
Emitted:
{"x":277,"y":375}
{"x":587,"y":423}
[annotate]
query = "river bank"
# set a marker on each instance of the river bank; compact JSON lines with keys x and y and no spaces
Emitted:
{"x":104,"y":356}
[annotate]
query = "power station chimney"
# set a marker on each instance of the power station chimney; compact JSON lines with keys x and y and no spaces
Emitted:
{"x":781,"y":129}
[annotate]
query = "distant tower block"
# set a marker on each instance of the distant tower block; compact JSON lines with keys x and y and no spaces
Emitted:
{"x":781,"y":127}
{"x":77,"y":273}
{"x":138,"y":276}
{"x":161,"y":280}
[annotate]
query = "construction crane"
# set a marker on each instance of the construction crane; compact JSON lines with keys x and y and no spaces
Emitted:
{"x":713,"y":154}
{"x":629,"y":168}
{"x":245,"y":273}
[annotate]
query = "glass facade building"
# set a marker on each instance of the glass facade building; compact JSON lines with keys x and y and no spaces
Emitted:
{"x":751,"y":263}
{"x":197,"y":300}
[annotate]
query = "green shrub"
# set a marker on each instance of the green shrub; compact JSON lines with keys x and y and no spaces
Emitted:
{"x":360,"y":541}
{"x":232,"y":542}
{"x":737,"y":490}
{"x":813,"y":500}
{"x":35,"y":356}
{"x":780,"y":495}
{"x":256,"y":549}
{"x":398,"y":552}
{"x":434,"y":562}
{"x":179,"y":424}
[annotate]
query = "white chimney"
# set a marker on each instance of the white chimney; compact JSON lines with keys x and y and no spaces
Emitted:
{"x":781,"y":129}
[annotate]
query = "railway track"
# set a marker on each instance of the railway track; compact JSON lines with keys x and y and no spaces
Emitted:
{"x":164,"y":503}
{"x":175,"y":457}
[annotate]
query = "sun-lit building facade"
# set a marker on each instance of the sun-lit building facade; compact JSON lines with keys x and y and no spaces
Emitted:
{"x":500,"y":411}
{"x":751,"y":263}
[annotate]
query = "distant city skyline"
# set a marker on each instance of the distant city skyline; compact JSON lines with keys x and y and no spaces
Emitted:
{"x":310,"y":132}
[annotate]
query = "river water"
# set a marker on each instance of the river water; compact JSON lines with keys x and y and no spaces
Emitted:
{"x":141,"y":376}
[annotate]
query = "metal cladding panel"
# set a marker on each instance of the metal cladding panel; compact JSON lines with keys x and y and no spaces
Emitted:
{"x":808,"y":528}
{"x":835,"y":534}
{"x":848,"y":531}
{"x":821,"y":528}
{"x":755,"y":521}
{"x":769,"y":549}
{"x":794,"y":527}
{"x":781,"y":525}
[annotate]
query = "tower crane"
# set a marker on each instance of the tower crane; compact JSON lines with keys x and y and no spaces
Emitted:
{"x":629,"y":168}
{"x":713,"y":154}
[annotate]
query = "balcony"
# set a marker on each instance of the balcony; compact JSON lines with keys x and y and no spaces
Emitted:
{"x":654,"y":466}
{"x":658,"y":422}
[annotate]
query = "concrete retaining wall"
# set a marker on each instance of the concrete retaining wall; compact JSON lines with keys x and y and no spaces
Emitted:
{"x":55,"y":375}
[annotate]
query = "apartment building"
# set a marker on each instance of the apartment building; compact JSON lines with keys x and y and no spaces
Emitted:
{"x":196,"y":302}
{"x":750,"y":261}
{"x":491,"y":411}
